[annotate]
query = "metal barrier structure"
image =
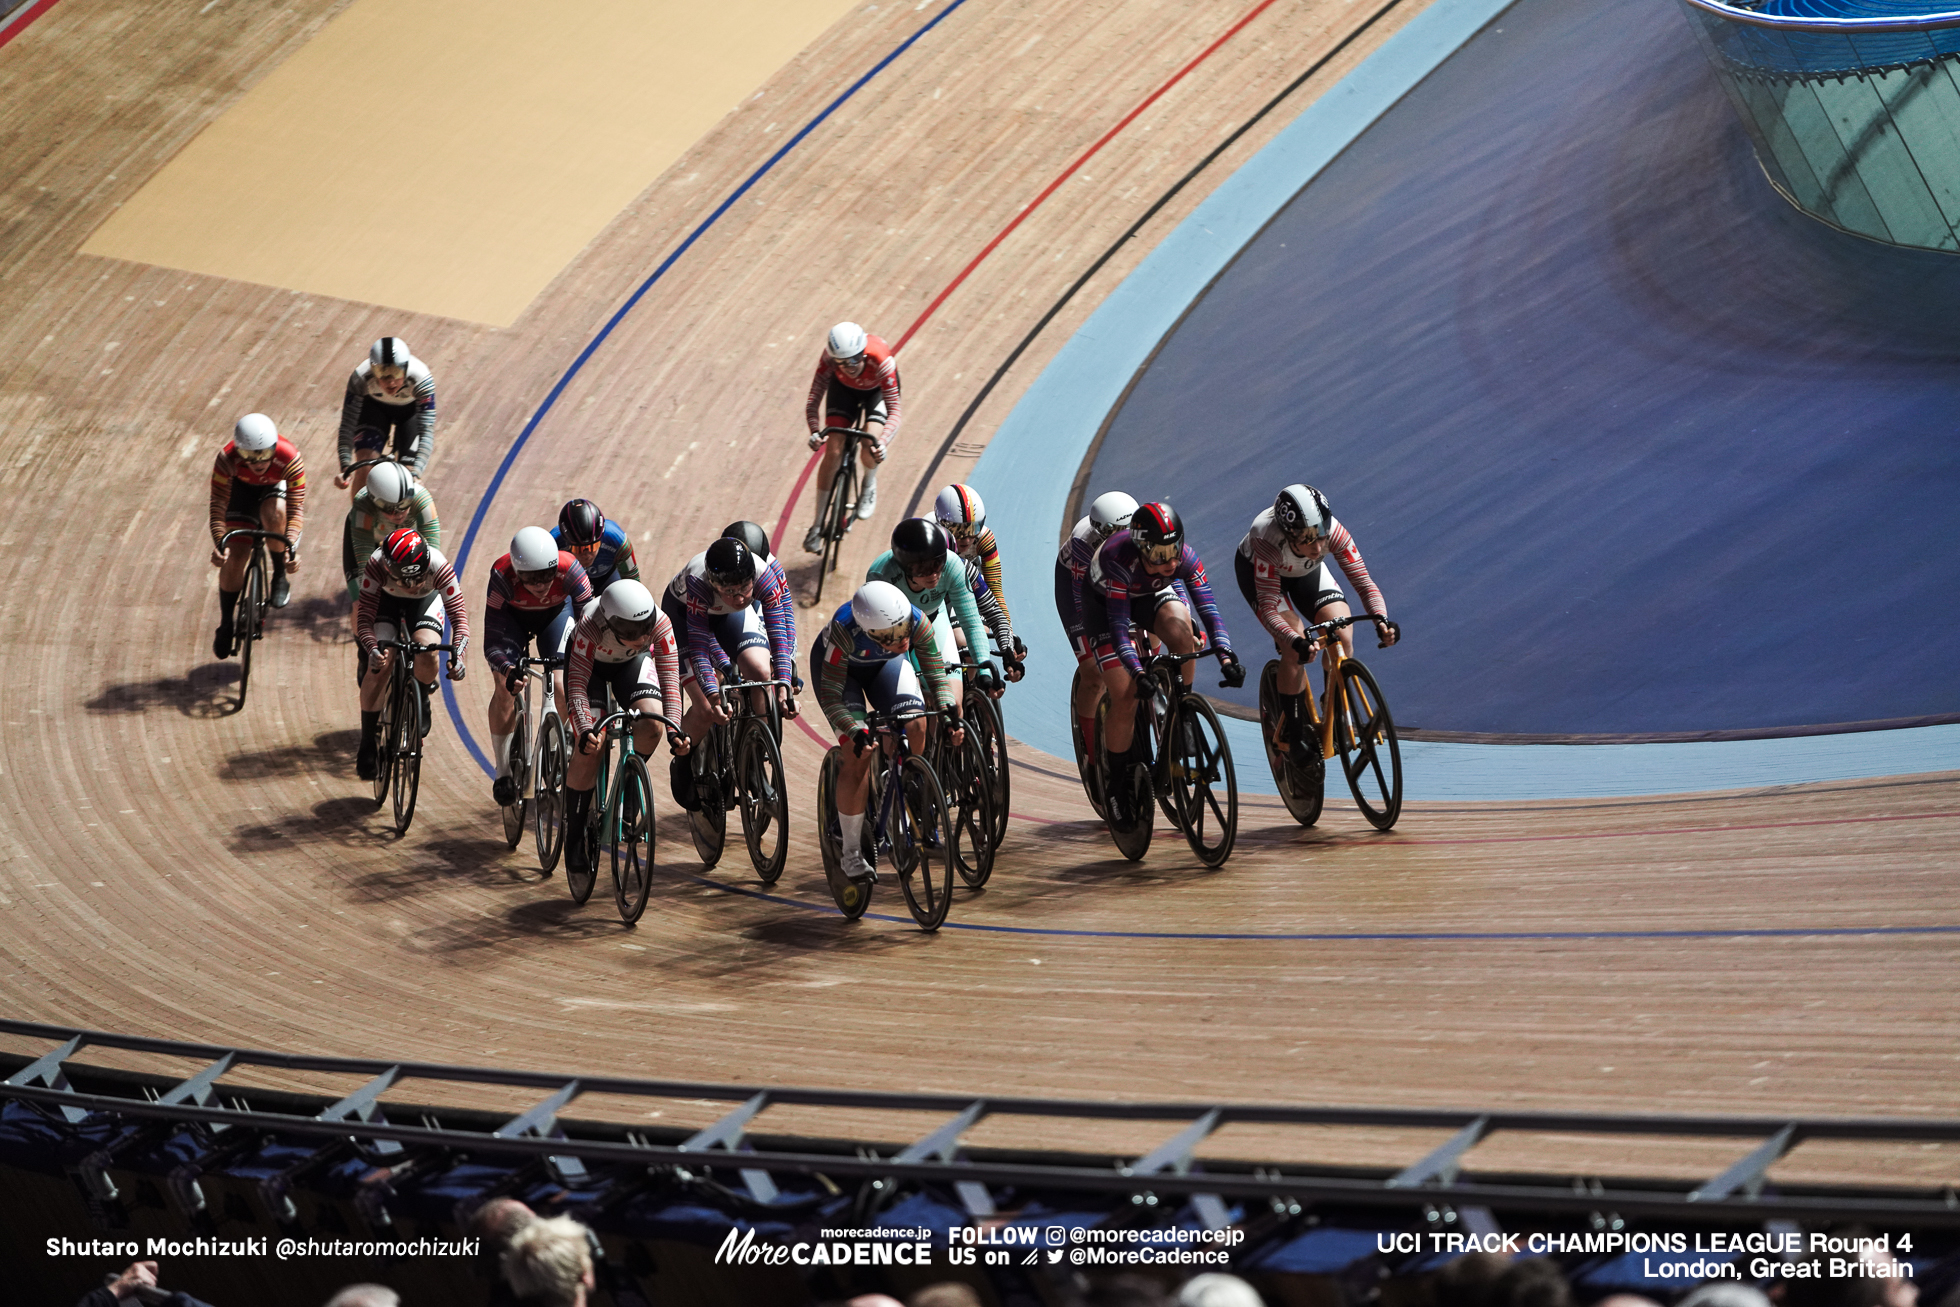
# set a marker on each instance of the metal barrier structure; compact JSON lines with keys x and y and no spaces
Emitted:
{"x":402,"y":1135}
{"x":1855,"y":120}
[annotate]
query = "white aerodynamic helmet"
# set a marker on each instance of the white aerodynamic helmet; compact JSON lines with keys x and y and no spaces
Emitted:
{"x":882,"y":612}
{"x":255,"y":433}
{"x":390,"y":485}
{"x":961,"y":511}
{"x":1111,"y":512}
{"x":533,"y":550}
{"x":389,"y":352}
{"x":847,"y":341}
{"x":628,"y":606}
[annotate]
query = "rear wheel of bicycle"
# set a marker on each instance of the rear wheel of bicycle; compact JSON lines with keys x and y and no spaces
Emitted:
{"x":246,"y":616}
{"x":1302,"y":789}
{"x":1151,"y":714}
{"x":520,"y":775}
{"x":1206,"y":788}
{"x":993,"y":753}
{"x":408,"y":748}
{"x":970,"y":806}
{"x":384,"y":747}
{"x":852,"y":896}
{"x":708,"y":822}
{"x":1085,"y":766}
{"x":580,"y":883}
{"x":922,"y":844}
{"x":631,"y":835}
{"x":1365,"y":735}
{"x":548,"y":802}
{"x":763,"y":799}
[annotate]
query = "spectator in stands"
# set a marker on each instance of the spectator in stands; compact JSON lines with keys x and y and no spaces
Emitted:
{"x":1216,"y":1290}
{"x":1635,"y":1300}
{"x":1468,"y":1281}
{"x":950,"y":1293}
{"x":548,"y":1262}
{"x":1718,"y":1294}
{"x":137,"y":1277}
{"x":1531,"y":1282}
{"x":1128,"y":1291}
{"x":366,"y":1295}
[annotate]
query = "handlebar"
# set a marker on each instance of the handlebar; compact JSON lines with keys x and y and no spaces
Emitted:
{"x":253,"y":533}
{"x":1335,"y":624}
{"x":550,"y":663}
{"x":371,"y":462}
{"x":631,"y":715}
{"x":403,"y":641}
{"x":727,"y":688}
{"x":827,"y":432}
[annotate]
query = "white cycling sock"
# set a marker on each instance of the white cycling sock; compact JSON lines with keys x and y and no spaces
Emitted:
{"x":870,"y":479}
{"x":851,"y":826}
{"x":500,"y":746}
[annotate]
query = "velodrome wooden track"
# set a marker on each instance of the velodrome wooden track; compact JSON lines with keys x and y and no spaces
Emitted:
{"x":171,"y":870}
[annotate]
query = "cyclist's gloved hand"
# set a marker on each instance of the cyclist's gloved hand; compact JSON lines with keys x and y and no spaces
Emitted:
{"x":456,"y":669}
{"x":1390,"y":631}
{"x":987,"y":679}
{"x":816,"y":439}
{"x":878,"y":450}
{"x":1234,"y":673}
{"x":1304,"y":648}
{"x":514,"y":680}
{"x":1020,"y":650}
{"x":860,"y":741}
{"x":678,"y":744}
{"x":1015,"y":671}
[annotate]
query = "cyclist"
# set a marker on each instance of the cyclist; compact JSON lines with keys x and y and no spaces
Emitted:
{"x":963,"y":516}
{"x":856,"y":385}
{"x":731,"y":608}
{"x":1283,"y":574}
{"x":393,"y":393}
{"x":934,"y":580}
{"x":390,"y":501}
{"x":402,"y":580}
{"x":860,"y":657}
{"x":1109,"y":514}
{"x":258,"y":481}
{"x":1129,"y":581}
{"x":623,"y":641}
{"x":536,"y":590}
{"x":601,"y":547}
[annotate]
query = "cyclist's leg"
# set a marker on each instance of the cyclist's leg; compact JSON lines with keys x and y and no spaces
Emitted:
{"x":272,"y":517}
{"x":745,"y":640}
{"x":370,"y":441}
{"x":374,"y":687}
{"x":949,"y":656}
{"x":871,"y":419}
{"x":636,"y":684}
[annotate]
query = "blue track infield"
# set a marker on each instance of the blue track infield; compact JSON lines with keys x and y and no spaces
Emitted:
{"x":1532,"y":344}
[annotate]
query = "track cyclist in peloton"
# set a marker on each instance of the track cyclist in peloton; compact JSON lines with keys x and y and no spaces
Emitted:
{"x":1283,"y":574}
{"x":536,"y":591}
{"x":860,"y":658}
{"x":258,"y":481}
{"x":856,"y":385}
{"x":390,"y":501}
{"x":601,"y":547}
{"x":923,"y":568}
{"x":626,"y":642}
{"x":1109,"y":514}
{"x":1130,"y":581}
{"x":401,"y":583}
{"x":961,"y":514}
{"x":392,"y":394}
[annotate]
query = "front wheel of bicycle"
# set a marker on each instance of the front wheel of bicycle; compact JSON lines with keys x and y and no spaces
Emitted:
{"x":246,"y":617}
{"x":708,"y":821}
{"x":922,"y":844}
{"x":630,"y":832}
{"x":852,"y":896}
{"x":384,"y":748}
{"x":548,"y":802}
{"x":970,"y":806}
{"x":763,"y":799}
{"x":1202,"y":779}
{"x":520,"y":775}
{"x":1302,"y":789}
{"x":839,"y":512}
{"x":408,"y":748}
{"x":1365,"y":735}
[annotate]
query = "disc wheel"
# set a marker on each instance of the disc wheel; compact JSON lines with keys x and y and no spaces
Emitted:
{"x":993,"y":755}
{"x":246,"y":617}
{"x":548,"y":800}
{"x":1364,"y":733}
{"x":969,"y":795}
{"x":1085,"y":766}
{"x":408,"y":749}
{"x":1302,"y":789}
{"x":1133,"y":837}
{"x":763,"y":799}
{"x":922,"y":844}
{"x":1202,"y":781}
{"x":708,"y":822}
{"x":630,"y":834}
{"x":520,"y":775}
{"x":852,"y":897}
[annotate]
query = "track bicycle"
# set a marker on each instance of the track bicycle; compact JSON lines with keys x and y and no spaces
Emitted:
{"x":840,"y":504}
{"x":621,"y":816}
{"x":398,"y":751}
{"x":248,"y":616}
{"x":980,"y":764}
{"x":350,"y":565}
{"x":1186,"y":762}
{"x":1352,"y":720}
{"x":911,"y":830}
{"x":538,"y":759}
{"x":737,"y":764}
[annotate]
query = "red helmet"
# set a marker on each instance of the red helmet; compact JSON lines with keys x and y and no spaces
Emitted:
{"x":1158,"y":532}
{"x":407,"y":554}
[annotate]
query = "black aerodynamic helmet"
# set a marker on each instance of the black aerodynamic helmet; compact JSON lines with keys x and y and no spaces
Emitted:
{"x":581,"y":523}
{"x":751,"y":535}
{"x":729,"y":563}
{"x":919,"y":545}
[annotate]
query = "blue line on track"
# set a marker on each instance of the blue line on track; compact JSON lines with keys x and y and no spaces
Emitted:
{"x":578,"y":364}
{"x":1359,"y":936}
